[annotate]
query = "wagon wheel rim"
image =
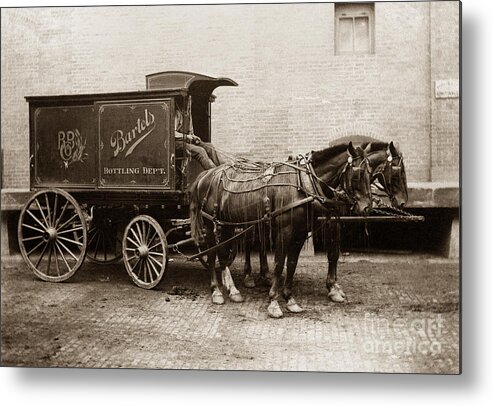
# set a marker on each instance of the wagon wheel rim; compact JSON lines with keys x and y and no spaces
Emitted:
{"x":104,"y":241}
{"x":52,"y":235}
{"x":145,"y":251}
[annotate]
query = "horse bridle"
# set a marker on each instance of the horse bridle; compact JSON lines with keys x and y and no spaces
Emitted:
{"x":354,"y":176}
{"x":389,"y":173}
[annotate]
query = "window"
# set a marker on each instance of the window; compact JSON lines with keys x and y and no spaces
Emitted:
{"x":354,"y":27}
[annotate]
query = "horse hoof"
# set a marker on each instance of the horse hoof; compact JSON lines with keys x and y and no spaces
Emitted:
{"x":274,"y":310}
{"x":249,"y":282}
{"x":293,"y":307}
{"x":217,"y":298}
{"x":236,"y":298}
{"x":337,"y":296}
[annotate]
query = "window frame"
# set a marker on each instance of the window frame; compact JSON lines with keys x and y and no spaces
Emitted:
{"x":354,"y":11}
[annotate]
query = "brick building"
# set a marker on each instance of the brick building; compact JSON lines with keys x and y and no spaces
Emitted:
{"x":307,"y":74}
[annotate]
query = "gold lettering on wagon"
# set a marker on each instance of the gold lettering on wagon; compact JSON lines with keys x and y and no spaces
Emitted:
{"x":120,"y":140}
{"x":71,"y":146}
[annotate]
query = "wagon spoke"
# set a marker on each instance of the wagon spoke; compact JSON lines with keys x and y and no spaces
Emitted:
{"x":42,"y":212}
{"x":97,"y":244}
{"x":140,"y":269}
{"x":155,"y":245}
{"x":156,"y":261}
{"x":48,"y":209}
{"x":42,"y":255}
{"x":91,"y":239}
{"x":36,"y":247}
{"x":140,"y":233}
{"x":61,"y":214}
{"x":32,"y":228}
{"x":56,"y":261}
{"x":145,"y":270}
{"x":32,"y":238}
{"x":68,"y":250}
{"x":157,"y":253}
{"x":104,"y":246}
{"x":63,"y":257}
{"x":153,"y":268}
{"x":71,"y":241}
{"x":133,"y":242}
{"x":71,"y":230}
{"x":49,"y":258}
{"x":67,"y":222}
{"x":136,"y":237}
{"x":132,"y":257}
{"x":54,"y":209}
{"x":35,"y":219}
{"x":134,"y":265}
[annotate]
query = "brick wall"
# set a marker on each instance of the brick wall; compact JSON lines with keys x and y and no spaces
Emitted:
{"x":445,"y":112}
{"x":294,"y":93}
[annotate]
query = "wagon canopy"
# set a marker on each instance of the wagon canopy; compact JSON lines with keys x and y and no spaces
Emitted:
{"x":200,"y":87}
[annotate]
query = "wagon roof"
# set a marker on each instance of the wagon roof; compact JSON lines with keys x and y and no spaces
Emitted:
{"x":168,"y":83}
{"x":189,"y":81}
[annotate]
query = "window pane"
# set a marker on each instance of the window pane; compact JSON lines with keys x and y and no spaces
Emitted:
{"x":345,"y":35}
{"x":361,"y":34}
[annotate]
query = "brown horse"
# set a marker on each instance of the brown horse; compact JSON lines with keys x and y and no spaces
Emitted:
{"x":389,"y":175}
{"x":285,"y":193}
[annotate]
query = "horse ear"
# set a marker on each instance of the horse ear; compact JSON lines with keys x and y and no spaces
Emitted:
{"x":351,"y":149}
{"x":368,"y":147}
{"x":393,"y":149}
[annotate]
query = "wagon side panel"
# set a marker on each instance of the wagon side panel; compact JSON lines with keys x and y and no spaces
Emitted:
{"x":136,"y":149}
{"x":63,"y":147}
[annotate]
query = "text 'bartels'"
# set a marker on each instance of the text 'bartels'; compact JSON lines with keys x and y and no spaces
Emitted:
{"x":121,"y":140}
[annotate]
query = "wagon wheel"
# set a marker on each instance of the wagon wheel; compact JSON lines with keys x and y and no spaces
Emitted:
{"x":104,"y":244}
{"x":145,"y":251}
{"x":52,"y":235}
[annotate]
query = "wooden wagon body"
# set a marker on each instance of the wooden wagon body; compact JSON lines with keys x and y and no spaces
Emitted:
{"x":100,"y":160}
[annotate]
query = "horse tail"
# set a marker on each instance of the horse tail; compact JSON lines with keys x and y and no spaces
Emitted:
{"x":196,"y":219}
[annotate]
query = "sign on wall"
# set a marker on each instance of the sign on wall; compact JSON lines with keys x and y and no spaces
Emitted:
{"x":446,"y":89}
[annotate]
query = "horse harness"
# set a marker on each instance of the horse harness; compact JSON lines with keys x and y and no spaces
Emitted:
{"x":307,"y":181}
{"x":389,"y":173}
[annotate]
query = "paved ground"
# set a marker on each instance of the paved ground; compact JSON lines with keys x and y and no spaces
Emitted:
{"x":402,"y":315}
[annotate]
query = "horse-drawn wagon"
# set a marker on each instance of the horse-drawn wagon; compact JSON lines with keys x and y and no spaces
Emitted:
{"x":112,"y":177}
{"x":109,"y":178}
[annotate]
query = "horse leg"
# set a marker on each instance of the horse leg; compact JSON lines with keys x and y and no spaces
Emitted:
{"x":227,"y":279}
{"x":333,"y":241}
{"x":292,"y":262}
{"x":217,"y":296}
{"x":248,"y":280}
{"x":274,"y":310}
{"x":264,"y":265}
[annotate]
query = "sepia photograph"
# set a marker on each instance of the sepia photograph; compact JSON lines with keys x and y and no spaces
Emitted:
{"x":232,"y":187}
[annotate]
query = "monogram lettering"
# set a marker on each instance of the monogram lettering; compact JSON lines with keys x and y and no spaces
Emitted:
{"x":71,"y":146}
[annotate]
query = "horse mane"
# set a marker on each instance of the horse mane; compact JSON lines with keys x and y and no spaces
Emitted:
{"x":328,"y":153}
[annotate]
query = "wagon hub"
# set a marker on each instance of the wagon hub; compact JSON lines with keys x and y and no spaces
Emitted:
{"x":50,"y":234}
{"x":142,"y":251}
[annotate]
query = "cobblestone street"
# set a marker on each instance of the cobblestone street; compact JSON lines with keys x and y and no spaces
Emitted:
{"x":402,"y":315}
